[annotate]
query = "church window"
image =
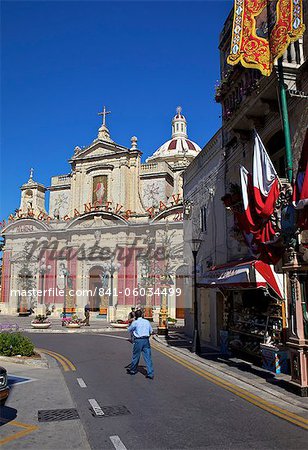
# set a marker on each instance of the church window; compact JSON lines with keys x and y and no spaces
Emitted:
{"x":182,"y":127}
{"x":203,"y":219}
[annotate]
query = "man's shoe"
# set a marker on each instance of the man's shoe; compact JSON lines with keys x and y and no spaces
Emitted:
{"x":130,"y":372}
{"x":150,"y":377}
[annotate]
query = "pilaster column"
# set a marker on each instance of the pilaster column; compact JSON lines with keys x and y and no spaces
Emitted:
{"x":296,"y":343}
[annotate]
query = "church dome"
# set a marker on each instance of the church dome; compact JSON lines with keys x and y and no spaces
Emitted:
{"x":179,"y":146}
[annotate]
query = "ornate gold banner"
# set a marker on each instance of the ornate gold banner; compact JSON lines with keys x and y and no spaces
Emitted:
{"x":262,"y":31}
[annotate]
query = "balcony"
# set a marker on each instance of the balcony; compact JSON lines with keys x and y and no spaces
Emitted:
{"x":247,"y":97}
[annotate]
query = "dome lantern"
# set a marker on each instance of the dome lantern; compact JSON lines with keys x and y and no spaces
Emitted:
{"x":179,"y":147}
{"x":179,"y":124}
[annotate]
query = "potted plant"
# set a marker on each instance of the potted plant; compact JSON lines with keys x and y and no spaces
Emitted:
{"x":40,"y":322}
{"x":72,"y":322}
{"x":120,"y":324}
{"x":171,"y":321}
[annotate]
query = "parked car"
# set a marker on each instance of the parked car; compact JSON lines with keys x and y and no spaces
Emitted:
{"x":4,"y":389}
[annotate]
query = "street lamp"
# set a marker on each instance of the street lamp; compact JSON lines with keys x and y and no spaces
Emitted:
{"x":147,"y":283}
{"x":65,"y":274}
{"x":195,"y":246}
{"x":111,"y":267}
{"x":43,"y":270}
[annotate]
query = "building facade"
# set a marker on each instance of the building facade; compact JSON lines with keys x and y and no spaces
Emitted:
{"x":112,"y":235}
{"x":243,"y":303}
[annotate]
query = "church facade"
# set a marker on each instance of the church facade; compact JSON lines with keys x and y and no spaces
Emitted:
{"x":112,"y":236}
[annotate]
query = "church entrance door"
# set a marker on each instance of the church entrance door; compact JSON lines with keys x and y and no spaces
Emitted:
{"x":95,"y":283}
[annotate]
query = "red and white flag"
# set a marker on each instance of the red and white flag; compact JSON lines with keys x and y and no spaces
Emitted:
{"x":246,"y":220}
{"x":265,"y":180}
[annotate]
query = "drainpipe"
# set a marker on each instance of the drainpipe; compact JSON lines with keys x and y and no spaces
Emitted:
{"x":285,"y":121}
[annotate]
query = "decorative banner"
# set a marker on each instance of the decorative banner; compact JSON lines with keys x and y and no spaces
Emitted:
{"x":89,"y":208}
{"x":262,"y":31}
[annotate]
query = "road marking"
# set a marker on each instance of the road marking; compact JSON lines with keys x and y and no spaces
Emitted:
{"x":66,"y":364}
{"x":115,"y":337}
{"x":81,"y":383}
{"x":118,"y":444}
{"x":13,"y":380}
{"x":243,"y":393}
{"x":96,"y":408}
{"x":27,"y":430}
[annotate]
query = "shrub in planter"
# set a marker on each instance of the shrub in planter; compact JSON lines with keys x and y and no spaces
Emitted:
{"x":71,"y":320}
{"x":172,"y":320}
{"x":12,"y":344}
{"x":40,"y":319}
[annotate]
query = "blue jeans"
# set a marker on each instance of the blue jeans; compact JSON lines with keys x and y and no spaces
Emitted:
{"x":142,"y":345}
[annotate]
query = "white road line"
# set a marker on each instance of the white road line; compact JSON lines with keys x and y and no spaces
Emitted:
{"x":96,"y":408}
{"x":81,"y":383}
{"x":114,"y":337}
{"x":118,"y":444}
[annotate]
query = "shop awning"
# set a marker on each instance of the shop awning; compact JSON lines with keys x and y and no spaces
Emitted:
{"x":244,"y":275}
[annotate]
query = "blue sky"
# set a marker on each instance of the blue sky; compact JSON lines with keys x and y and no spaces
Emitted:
{"x":61,"y":61}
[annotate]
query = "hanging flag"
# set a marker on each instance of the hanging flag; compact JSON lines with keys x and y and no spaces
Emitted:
{"x":265,"y":180}
{"x":246,"y":220}
{"x":262,"y":31}
{"x":259,"y":233}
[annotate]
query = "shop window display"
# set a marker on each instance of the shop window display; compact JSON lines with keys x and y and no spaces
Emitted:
{"x":254,"y":318}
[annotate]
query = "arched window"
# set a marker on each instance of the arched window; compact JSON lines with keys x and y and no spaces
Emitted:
{"x":276,"y":149}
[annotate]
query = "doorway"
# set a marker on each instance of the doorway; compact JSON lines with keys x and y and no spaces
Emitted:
{"x":95,"y":283}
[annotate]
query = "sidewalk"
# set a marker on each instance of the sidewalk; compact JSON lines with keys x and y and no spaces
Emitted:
{"x":24,"y":324}
{"x":270,"y":386}
{"x":46,"y":390}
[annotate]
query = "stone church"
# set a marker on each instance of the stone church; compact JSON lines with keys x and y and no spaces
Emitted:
{"x":112,"y":236}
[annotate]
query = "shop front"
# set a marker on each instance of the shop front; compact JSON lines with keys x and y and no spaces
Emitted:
{"x":254,"y":313}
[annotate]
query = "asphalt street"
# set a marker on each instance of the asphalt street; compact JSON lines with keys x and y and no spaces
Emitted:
{"x":177,"y":410}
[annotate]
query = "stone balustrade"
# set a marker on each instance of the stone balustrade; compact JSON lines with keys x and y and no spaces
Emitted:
{"x":60,"y":180}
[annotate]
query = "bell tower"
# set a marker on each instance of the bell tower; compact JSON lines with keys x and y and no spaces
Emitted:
{"x":32,"y":197}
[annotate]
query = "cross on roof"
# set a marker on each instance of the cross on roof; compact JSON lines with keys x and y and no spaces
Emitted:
{"x":104,"y":114}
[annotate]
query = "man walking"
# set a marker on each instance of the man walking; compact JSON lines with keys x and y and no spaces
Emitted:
{"x":142,"y":331}
{"x":131,"y":315}
{"x":86,"y":321}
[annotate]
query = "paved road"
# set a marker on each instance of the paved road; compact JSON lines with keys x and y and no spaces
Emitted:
{"x":177,"y":410}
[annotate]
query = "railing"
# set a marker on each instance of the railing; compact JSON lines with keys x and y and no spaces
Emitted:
{"x":294,"y":53}
{"x":61,"y":179}
{"x":232,"y":97}
{"x":149,"y":166}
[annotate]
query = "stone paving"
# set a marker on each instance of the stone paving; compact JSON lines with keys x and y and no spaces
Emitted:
{"x":40,"y":389}
{"x":24,"y":324}
{"x":253,"y":376}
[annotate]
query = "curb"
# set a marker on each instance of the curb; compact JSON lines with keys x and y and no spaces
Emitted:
{"x":37,"y":363}
{"x":76,"y":330}
{"x":280,"y":396}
